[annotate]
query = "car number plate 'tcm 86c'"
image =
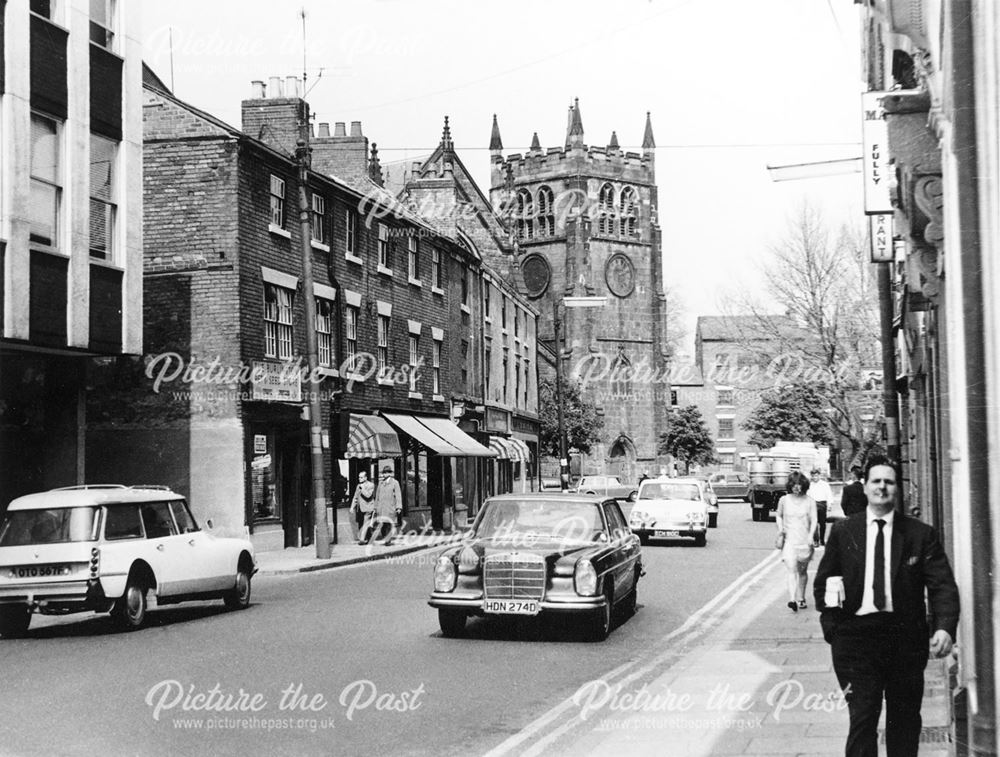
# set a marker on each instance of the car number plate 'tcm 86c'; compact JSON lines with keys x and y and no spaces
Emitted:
{"x":511,"y":606}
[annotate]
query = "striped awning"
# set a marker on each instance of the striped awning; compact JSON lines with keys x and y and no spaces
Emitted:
{"x":371,"y":437}
{"x":508,"y":448}
{"x":439,"y":435}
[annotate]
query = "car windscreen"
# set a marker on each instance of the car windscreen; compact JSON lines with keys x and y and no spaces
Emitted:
{"x":670,"y":491}
{"x":51,"y":526}
{"x":564,"y":520}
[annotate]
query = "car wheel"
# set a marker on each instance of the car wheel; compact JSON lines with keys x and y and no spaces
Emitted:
{"x":129,"y":611}
{"x":700,"y":540}
{"x":238,"y":598}
{"x":452,"y":622}
{"x":14,"y":621}
{"x":600,"y":622}
{"x":713,"y":520}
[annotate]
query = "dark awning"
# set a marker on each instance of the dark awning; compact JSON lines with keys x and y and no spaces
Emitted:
{"x":439,"y":435}
{"x":371,"y":437}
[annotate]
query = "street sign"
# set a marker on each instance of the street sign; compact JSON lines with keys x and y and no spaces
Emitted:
{"x":875,"y":141}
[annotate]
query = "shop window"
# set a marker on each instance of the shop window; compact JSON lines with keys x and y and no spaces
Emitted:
{"x":264,"y":494}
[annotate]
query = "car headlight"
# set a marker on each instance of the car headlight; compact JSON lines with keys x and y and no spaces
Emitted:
{"x":697,"y":516}
{"x":585,"y":578}
{"x":445,"y":574}
{"x":637,"y":516}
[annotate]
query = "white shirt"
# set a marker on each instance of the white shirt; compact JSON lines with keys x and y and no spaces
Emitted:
{"x":820,"y":491}
{"x":868,"y":597}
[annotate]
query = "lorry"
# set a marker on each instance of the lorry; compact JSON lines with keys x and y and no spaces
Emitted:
{"x":769,"y":471}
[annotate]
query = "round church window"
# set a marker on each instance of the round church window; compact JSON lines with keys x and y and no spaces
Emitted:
{"x":537,"y":275}
{"x":620,"y":275}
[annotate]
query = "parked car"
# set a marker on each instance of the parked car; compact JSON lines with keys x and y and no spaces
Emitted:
{"x":542,"y":554}
{"x":667,"y":508}
{"x":104,"y":548}
{"x":609,"y":486}
{"x":730,"y":485}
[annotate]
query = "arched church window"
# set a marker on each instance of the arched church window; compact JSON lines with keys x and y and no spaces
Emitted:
{"x":621,"y":375}
{"x":629,"y":212}
{"x":606,"y":208}
{"x":525,"y":215}
{"x":546,"y":213}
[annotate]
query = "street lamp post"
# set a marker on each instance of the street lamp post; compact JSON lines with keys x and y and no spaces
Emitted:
{"x":567,"y":302}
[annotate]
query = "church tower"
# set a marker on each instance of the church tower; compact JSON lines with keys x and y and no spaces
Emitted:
{"x":584,"y":224}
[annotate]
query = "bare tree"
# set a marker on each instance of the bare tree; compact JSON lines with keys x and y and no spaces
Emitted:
{"x":824,"y":283}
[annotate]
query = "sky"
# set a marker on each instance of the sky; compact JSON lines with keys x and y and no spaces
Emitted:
{"x":732,"y":86}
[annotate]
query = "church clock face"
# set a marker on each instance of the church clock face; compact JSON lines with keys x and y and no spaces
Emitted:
{"x":537,"y":274}
{"x":619,"y":273}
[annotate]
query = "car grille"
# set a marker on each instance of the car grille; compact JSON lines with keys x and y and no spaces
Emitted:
{"x":514,"y":576}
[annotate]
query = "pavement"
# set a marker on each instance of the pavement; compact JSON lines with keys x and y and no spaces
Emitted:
{"x":348,"y":552}
{"x":758,"y":680}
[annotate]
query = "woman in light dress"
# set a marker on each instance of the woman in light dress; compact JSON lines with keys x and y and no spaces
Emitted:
{"x":796,"y":519}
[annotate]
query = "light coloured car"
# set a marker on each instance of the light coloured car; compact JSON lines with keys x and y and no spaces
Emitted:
{"x":668,"y":508}
{"x":104,"y":548}
{"x":608,"y":486}
{"x":730,"y":485}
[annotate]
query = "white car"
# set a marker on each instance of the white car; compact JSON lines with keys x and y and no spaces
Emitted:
{"x":104,"y":548}
{"x":609,"y":486}
{"x":667,"y":508}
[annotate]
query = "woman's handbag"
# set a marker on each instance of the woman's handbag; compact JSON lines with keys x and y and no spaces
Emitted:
{"x":779,"y":540}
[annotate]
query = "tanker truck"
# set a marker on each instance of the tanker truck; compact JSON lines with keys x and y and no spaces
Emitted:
{"x":769,"y":471}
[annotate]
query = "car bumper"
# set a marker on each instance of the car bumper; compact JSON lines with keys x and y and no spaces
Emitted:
{"x":473,"y":604}
{"x":686,"y":529}
{"x":57,"y":597}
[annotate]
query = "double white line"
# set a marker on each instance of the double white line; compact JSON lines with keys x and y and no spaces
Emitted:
{"x":543,"y":732}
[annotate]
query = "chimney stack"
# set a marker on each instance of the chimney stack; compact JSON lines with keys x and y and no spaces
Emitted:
{"x":275,"y":114}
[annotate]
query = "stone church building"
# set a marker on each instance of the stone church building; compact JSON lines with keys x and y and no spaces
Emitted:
{"x":584,"y":224}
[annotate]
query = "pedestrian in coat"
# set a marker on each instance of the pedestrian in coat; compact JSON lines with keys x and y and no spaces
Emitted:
{"x":388,"y":505}
{"x":853,"y":499}
{"x":877,"y":627}
{"x":796,"y":521}
{"x":363,"y":506}
{"x":820,"y":491}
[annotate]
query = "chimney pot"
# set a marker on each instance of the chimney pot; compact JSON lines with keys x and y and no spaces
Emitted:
{"x":356,"y":129}
{"x":291,"y":86}
{"x":338,"y":129}
{"x":324,"y":129}
{"x":257,"y":87}
{"x":274,"y":86}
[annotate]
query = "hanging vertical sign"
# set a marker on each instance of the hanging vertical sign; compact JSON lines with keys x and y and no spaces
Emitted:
{"x":880,"y":233}
{"x":875,"y":141}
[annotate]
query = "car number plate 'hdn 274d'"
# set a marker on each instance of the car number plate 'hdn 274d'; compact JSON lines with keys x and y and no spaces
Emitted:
{"x":511,"y":607}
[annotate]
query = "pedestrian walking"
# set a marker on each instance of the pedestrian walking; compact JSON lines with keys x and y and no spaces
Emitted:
{"x":820,"y":491}
{"x":388,"y":506}
{"x":796,"y":521}
{"x":363,"y":507}
{"x":853,"y":499}
{"x":877,"y":626}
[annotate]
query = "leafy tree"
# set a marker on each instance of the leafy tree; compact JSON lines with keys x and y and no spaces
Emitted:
{"x":687,"y":438}
{"x":583,"y":424}
{"x":823,"y":281}
{"x":793,"y":413}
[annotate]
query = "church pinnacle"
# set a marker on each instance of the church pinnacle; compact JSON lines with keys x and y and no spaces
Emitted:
{"x":495,"y":144}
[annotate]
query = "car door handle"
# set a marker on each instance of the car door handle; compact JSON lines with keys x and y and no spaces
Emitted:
{"x":159,"y":547}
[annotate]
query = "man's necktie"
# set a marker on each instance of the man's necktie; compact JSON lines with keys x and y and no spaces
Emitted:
{"x":879,"y":583}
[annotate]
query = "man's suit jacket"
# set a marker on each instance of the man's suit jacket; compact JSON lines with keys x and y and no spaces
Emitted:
{"x":917,"y":562}
{"x":853,"y":499}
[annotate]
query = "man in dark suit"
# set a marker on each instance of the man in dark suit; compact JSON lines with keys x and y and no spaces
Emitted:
{"x":879,"y":634}
{"x":853,"y":499}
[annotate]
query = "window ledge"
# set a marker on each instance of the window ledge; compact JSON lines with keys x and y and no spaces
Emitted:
{"x":320,"y":246}
{"x":277,"y":230}
{"x":34,"y":247}
{"x":383,"y":270}
{"x":352,"y":258}
{"x":107,"y":264}
{"x":466,"y":309}
{"x":415,"y":282}
{"x":415,"y":395}
{"x":438,"y":398}
{"x":437,"y":290}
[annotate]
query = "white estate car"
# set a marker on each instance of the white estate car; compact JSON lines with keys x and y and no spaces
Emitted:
{"x":103,"y":548}
{"x":667,"y":508}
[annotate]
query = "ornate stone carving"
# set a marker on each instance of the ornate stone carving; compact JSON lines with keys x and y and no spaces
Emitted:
{"x":928,"y":196}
